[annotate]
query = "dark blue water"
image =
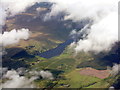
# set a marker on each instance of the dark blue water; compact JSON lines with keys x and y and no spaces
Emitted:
{"x":56,"y":51}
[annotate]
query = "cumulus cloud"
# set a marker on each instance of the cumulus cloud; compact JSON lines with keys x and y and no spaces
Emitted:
{"x":80,"y":9}
{"x":115,"y":69}
{"x":39,"y":9}
{"x":13,"y":7}
{"x":102,"y":35}
{"x":10,"y":8}
{"x":46,"y":74}
{"x":13,"y":36}
{"x":103,"y":31}
{"x":111,"y":88}
{"x":17,"y":78}
{"x":17,"y":81}
{"x":2,"y":17}
{"x":43,"y":74}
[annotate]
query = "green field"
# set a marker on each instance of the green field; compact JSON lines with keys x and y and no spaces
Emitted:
{"x":65,"y":68}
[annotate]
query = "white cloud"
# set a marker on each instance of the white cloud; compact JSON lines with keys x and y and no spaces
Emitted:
{"x":3,"y":16}
{"x":14,"y":7}
{"x":102,"y":35}
{"x":17,"y":81}
{"x":103,"y":32}
{"x":16,"y":78}
{"x":111,"y":88}
{"x":115,"y":69}
{"x":11,"y":8}
{"x":80,"y":9}
{"x":43,"y":74}
{"x":104,"y":29}
{"x":13,"y":36}
{"x":46,"y":74}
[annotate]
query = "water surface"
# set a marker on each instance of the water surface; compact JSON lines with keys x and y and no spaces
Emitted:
{"x":56,"y":51}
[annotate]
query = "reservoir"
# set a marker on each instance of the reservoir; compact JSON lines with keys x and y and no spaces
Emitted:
{"x":56,"y":51}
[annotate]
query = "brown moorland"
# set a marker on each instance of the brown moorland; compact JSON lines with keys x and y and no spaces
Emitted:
{"x":96,"y":73}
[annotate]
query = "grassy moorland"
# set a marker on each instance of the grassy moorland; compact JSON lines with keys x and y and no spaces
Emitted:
{"x":66,"y":73}
{"x":65,"y":68}
{"x":46,"y":35}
